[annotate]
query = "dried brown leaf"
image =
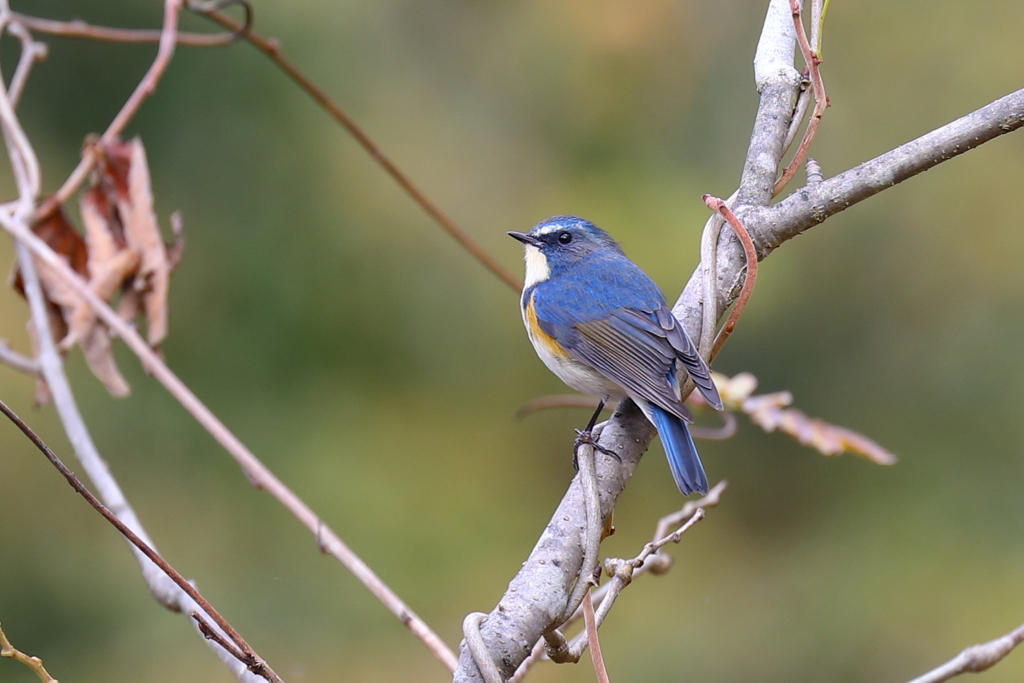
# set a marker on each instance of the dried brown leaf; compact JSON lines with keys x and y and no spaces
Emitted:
{"x":99,"y":354}
{"x":105,"y":265}
{"x":128,"y":171}
{"x":111,"y":262}
{"x":733,"y":390}
{"x":130,"y":304}
{"x":59,"y":235}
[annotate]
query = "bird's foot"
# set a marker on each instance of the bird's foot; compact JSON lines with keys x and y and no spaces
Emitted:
{"x":586,"y":437}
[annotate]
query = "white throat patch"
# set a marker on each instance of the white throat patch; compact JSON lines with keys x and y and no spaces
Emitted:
{"x":537,"y":269}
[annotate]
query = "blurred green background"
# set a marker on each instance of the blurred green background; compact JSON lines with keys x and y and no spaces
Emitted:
{"x":376,"y":368}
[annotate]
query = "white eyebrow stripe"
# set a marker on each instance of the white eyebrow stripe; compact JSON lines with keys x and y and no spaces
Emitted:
{"x":548,"y":229}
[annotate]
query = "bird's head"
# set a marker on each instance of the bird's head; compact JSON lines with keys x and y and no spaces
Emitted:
{"x":559,"y":243}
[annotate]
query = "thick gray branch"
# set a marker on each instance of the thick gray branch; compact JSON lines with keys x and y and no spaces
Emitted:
{"x":778,"y":84}
{"x":804,"y":208}
{"x":812,"y":205}
{"x":537,"y":596}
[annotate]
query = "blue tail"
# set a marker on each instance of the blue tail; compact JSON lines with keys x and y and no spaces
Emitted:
{"x":682,"y":454}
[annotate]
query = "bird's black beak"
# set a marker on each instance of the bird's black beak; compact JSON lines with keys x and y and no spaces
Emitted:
{"x":526,"y":239}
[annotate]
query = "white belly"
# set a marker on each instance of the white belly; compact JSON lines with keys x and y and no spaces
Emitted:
{"x":577,"y":375}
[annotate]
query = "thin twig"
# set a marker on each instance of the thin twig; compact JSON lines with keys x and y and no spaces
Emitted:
{"x":33,"y":663}
{"x":252,"y":661}
{"x":477,"y":647}
{"x":557,"y":401}
{"x":813,"y":62}
{"x":975,"y":658}
{"x":726,"y":431}
{"x":32,"y":51}
{"x":210,"y":633}
{"x":674,"y":537}
{"x":146,"y":87}
{"x":595,"y":642}
{"x":649,"y":560}
{"x":260,"y":476}
{"x":709,"y":275}
{"x":24,"y":163}
{"x":652,"y":562}
{"x":10,"y":357}
{"x":622,"y":573}
{"x":709,"y":298}
{"x":272,"y":49}
{"x":750,"y":252}
{"x":76,"y":28}
{"x":592,"y":535}
{"x":674,"y":519}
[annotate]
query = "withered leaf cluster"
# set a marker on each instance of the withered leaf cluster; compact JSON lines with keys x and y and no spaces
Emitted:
{"x":772,"y":412}
{"x":120,"y":253}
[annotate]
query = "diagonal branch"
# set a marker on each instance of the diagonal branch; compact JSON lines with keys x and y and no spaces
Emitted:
{"x":813,"y":204}
{"x":33,"y":663}
{"x":244,"y":652}
{"x":257,"y":473}
{"x":536,"y":597}
{"x":51,"y":367}
{"x":272,"y":49}
{"x":16,"y":219}
{"x":975,"y":658}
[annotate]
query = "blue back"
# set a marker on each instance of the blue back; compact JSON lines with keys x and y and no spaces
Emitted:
{"x":594,"y":287}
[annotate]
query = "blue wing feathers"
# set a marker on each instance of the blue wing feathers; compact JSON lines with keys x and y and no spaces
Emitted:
{"x":680,"y":450}
{"x":592,"y":290}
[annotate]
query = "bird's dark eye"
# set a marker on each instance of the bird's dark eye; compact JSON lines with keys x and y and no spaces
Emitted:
{"x":565,"y":238}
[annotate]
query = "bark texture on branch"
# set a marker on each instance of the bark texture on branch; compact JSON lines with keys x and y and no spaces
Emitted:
{"x":537,"y":596}
{"x":811,"y":205}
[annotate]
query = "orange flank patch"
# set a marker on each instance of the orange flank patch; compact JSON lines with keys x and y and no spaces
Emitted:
{"x":540,"y":338}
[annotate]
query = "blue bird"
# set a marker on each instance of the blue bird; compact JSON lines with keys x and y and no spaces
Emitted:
{"x":603,"y":327}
